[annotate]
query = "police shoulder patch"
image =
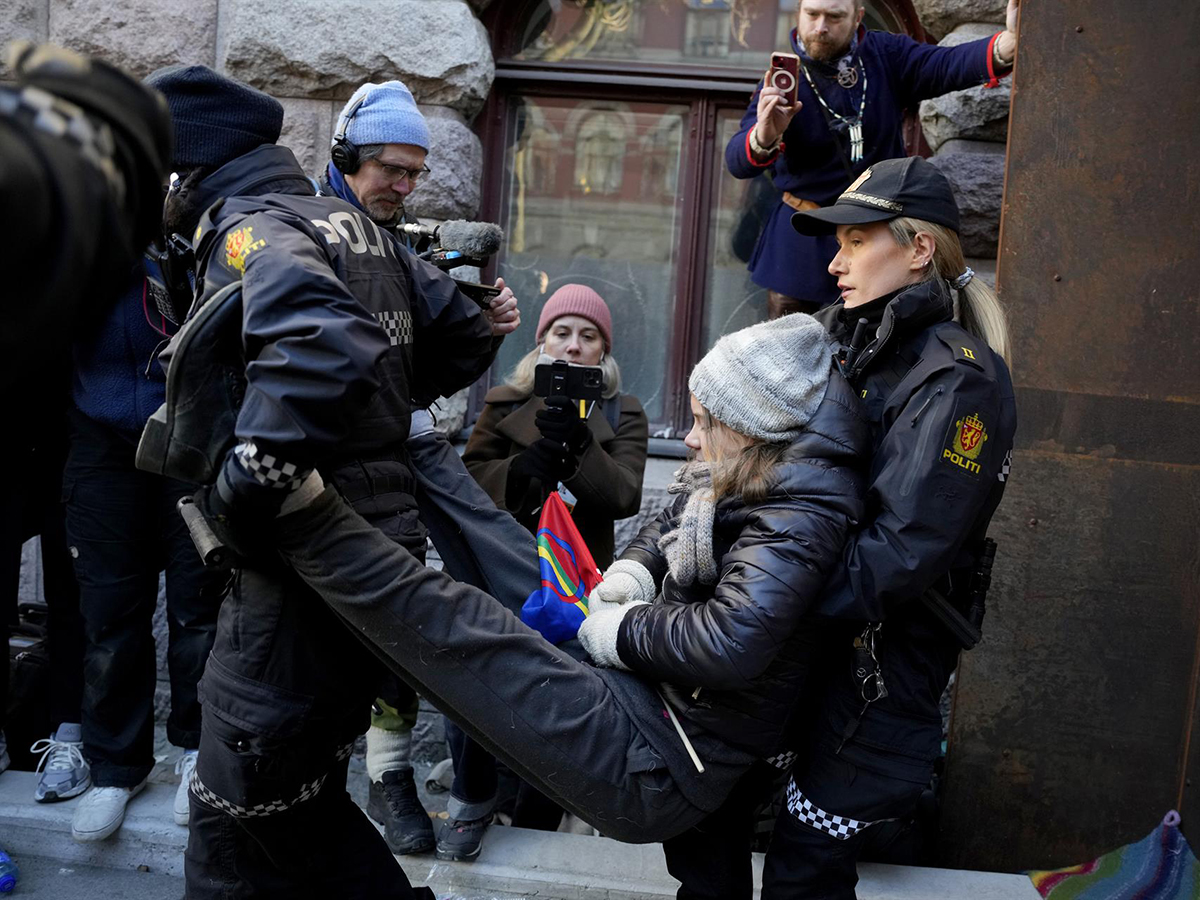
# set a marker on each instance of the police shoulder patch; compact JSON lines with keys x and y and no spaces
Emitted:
{"x":239,"y":245}
{"x":965,"y":440}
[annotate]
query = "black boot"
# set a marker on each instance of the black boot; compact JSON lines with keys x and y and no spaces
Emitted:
{"x":393,"y":803}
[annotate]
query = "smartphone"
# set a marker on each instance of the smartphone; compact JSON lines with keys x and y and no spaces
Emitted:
{"x":785,"y":75}
{"x":561,"y":379}
{"x":482,"y":294}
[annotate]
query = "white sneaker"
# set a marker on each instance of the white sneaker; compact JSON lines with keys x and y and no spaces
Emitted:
{"x":101,"y":812}
{"x":184,"y":769}
{"x":64,"y":771}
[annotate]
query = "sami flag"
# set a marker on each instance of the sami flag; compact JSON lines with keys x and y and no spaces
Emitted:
{"x":569,"y":574}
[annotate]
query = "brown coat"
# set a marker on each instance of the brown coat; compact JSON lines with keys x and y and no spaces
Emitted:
{"x":607,"y":484}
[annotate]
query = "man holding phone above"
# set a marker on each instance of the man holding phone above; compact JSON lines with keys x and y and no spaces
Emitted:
{"x":851,"y":88}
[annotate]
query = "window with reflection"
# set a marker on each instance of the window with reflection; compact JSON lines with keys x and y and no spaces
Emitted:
{"x":732,"y":33}
{"x":603,"y":230}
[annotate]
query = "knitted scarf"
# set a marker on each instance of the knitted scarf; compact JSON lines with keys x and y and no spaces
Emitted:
{"x":689,"y":546}
{"x":337,"y":181}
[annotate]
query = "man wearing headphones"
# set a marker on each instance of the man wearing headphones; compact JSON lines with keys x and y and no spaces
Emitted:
{"x":378,"y":152}
{"x":377,"y":155}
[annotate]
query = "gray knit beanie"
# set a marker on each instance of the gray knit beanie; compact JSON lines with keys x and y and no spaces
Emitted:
{"x":766,"y":381}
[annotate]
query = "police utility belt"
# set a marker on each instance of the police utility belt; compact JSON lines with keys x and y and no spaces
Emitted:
{"x":961,"y":614}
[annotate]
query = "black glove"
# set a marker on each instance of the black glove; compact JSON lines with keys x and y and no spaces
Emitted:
{"x":243,"y":520}
{"x":546,"y":460}
{"x":242,"y":532}
{"x":560,"y":422}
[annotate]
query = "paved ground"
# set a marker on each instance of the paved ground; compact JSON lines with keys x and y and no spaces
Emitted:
{"x":145,"y":860}
{"x":50,"y":879}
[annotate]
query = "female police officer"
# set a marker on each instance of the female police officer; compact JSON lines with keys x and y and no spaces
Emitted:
{"x":929,"y":367}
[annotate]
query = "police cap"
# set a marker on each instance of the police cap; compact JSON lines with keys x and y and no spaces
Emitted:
{"x":910,"y":187}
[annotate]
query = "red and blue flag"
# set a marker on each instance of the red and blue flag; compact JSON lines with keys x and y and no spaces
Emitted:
{"x":569,"y":574}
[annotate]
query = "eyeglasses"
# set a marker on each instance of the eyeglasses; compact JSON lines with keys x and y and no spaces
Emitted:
{"x":395,"y":173}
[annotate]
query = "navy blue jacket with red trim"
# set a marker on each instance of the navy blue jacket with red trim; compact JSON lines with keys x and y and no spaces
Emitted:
{"x":900,"y":73}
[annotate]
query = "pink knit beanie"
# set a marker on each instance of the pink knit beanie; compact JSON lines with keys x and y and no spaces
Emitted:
{"x":577,"y":300}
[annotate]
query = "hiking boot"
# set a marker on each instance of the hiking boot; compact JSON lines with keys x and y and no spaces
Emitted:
{"x":460,"y":839}
{"x":65,"y":773}
{"x":184,"y":769}
{"x":101,"y":812}
{"x":393,"y":803}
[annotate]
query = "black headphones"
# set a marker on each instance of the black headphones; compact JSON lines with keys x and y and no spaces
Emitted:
{"x":344,"y":153}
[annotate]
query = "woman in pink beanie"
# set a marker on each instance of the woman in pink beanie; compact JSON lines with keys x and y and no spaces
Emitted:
{"x":518,"y":452}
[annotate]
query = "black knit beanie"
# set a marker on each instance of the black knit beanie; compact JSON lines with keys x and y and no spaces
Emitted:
{"x":216,"y":118}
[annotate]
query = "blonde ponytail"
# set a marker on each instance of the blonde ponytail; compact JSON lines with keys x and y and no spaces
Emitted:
{"x":979,"y":310}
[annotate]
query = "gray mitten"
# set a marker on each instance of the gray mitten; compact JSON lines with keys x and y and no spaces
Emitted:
{"x":598,"y":634}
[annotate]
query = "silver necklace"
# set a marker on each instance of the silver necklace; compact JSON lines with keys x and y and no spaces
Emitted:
{"x":853,"y":123}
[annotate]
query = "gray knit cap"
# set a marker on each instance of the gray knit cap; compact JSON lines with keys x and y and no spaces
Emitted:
{"x":766,"y":381}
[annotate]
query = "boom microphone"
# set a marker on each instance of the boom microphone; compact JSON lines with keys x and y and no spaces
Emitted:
{"x":476,"y":239}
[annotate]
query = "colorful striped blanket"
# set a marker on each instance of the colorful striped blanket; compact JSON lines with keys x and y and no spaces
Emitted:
{"x":1161,"y":866}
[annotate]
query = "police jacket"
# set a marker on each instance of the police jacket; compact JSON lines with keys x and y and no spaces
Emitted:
{"x":814,"y":164}
{"x":942,"y":418}
{"x":343,"y":332}
{"x":736,"y":654}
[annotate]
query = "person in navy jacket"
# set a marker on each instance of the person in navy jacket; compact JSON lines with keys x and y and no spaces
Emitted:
{"x":853,"y":83}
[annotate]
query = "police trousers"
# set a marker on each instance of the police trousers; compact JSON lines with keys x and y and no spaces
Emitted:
{"x":284,"y":694}
{"x":597,"y":741}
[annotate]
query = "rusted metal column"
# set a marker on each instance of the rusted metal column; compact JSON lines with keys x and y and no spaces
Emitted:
{"x":1075,"y":723}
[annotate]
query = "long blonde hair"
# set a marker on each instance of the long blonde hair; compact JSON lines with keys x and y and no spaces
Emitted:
{"x":747,"y":471}
{"x":980,"y":312}
{"x":521,"y":377}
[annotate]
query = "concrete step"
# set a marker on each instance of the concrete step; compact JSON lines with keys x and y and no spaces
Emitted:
{"x":514,"y":861}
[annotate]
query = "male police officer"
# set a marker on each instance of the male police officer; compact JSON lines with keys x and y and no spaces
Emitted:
{"x":343,"y":332}
{"x":851,"y":96}
{"x":377,"y":155}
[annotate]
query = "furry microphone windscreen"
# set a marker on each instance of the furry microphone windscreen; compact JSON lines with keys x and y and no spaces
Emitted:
{"x":478,"y":239}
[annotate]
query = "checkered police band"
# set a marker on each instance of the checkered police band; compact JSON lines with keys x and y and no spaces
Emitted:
{"x":268,"y":470}
{"x":68,"y":122}
{"x":398,"y":326}
{"x":272,"y":807}
{"x":782,"y":761}
{"x":839,"y":827}
{"x":1005,"y":467}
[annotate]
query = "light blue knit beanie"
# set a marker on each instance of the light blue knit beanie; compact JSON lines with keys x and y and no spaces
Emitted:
{"x":388,"y":115}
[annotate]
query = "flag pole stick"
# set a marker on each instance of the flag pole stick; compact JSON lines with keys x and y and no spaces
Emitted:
{"x":687,"y":744}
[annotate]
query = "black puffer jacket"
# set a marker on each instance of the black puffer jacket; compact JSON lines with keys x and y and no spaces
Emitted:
{"x":736,"y":655}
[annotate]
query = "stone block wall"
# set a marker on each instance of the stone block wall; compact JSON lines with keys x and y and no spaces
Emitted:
{"x":311,"y":55}
{"x":967,"y":129}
